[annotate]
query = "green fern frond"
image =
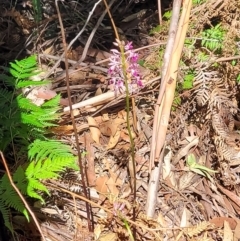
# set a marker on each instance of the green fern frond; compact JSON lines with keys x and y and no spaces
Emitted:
{"x":8,"y":80}
{"x":32,"y":120}
{"x":28,"y":186}
{"x":20,"y":179}
{"x":27,"y":105}
{"x":24,"y":66}
{"x":24,"y":83}
{"x":43,"y":171}
{"x":6,"y":215}
{"x":5,"y":97}
{"x":40,"y":150}
{"x":213,"y":38}
{"x":35,"y":184}
{"x":9,"y":196}
{"x":46,"y":170}
{"x":17,"y":69}
{"x":52,"y":102}
{"x":50,"y":158}
{"x":22,"y":72}
{"x":37,"y":10}
{"x":27,"y":63}
{"x":188,"y":80}
{"x":32,"y":192}
{"x":49,"y":108}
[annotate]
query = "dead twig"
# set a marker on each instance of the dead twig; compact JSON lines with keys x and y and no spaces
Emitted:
{"x":83,"y":65}
{"x":84,"y":54}
{"x":160,"y":12}
{"x":135,"y":223}
{"x":73,"y":41}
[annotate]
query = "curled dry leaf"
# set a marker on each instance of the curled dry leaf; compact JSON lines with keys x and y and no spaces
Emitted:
{"x":105,"y":116}
{"x":64,"y":129}
{"x":161,"y":220}
{"x":114,"y":140}
{"x":110,"y":127}
{"x":237,"y":233}
{"x":185,"y":150}
{"x":48,"y":50}
{"x":219,"y":222}
{"x":228,"y":234}
{"x":186,"y":180}
{"x":230,"y":194}
{"x":186,"y":217}
{"x":167,"y":164}
{"x":95,"y":132}
{"x":106,"y":185}
{"x":101,"y":186}
{"x":105,"y":129}
{"x":125,"y":136}
{"x":98,"y":230}
{"x":108,"y":237}
{"x":98,"y":91}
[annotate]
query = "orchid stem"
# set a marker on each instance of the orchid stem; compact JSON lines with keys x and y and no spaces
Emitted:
{"x":124,"y":68}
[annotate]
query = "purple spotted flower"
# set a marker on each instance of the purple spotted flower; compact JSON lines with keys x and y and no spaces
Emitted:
{"x":116,"y":72}
{"x":118,"y":208}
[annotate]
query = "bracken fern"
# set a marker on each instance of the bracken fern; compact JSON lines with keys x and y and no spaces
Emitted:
{"x":24,"y":126}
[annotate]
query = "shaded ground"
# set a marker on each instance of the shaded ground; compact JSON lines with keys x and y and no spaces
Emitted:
{"x":193,"y":203}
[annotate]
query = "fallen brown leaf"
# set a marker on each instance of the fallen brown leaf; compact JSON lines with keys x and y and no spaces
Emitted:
{"x":237,"y":231}
{"x":230,"y":194}
{"x":125,"y":136}
{"x":110,"y":127}
{"x":91,"y":176}
{"x":113,"y":140}
{"x":106,"y":185}
{"x":95,"y":132}
{"x":105,"y":129}
{"x":101,"y":186}
{"x":108,"y":237}
{"x":227,"y":232}
{"x":219,"y":222}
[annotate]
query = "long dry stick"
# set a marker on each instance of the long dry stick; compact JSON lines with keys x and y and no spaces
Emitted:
{"x":21,"y":196}
{"x":155,"y":172}
{"x":82,"y":169}
{"x":171,"y":76}
{"x":164,"y":103}
{"x":166,"y":60}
